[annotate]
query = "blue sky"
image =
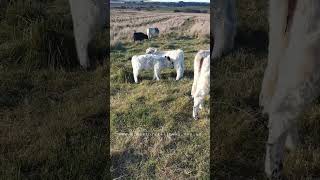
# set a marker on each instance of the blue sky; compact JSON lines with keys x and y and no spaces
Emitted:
{"x":182,"y":0}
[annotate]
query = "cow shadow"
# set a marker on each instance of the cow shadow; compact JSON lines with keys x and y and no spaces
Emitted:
{"x":120,"y":159}
{"x":256,"y":40}
{"x":188,"y":74}
{"x":253,"y":39}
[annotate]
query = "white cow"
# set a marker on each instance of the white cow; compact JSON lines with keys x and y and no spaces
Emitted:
{"x":292,"y":77}
{"x":88,"y":16}
{"x":150,"y":61}
{"x":177,"y":57}
{"x":201,"y":86}
{"x":152,"y":32}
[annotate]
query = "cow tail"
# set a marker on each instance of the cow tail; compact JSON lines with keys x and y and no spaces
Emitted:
{"x":200,"y":63}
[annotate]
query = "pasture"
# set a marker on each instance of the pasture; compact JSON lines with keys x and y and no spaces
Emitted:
{"x":153,"y":134}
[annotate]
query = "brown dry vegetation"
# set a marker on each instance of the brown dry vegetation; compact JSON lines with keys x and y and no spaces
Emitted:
{"x":123,"y":22}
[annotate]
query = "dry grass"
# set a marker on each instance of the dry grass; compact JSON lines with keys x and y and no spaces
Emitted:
{"x":124,"y":22}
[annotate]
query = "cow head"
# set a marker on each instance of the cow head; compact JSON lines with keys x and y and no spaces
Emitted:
{"x":170,"y":61}
{"x":151,"y":50}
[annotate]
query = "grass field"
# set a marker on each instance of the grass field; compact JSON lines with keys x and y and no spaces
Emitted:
{"x":52,"y":114}
{"x":153,"y":134}
{"x":239,"y":130}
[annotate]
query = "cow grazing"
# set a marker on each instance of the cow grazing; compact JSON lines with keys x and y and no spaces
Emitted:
{"x":139,"y":36}
{"x":150,"y":61}
{"x":88,"y":16}
{"x":151,"y":50}
{"x":153,"y":32}
{"x":292,"y":79}
{"x":201,"y":84}
{"x":177,"y":57}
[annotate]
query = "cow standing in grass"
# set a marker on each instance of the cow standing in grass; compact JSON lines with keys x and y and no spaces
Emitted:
{"x":150,"y":61}
{"x":152,"y":32}
{"x":88,"y":16}
{"x":139,"y":36}
{"x":292,"y":77}
{"x":177,"y":57}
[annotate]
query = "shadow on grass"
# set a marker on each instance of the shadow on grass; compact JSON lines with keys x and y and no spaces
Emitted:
{"x":120,"y":161}
{"x":240,"y":170}
{"x":256,"y":40}
{"x":253,"y":39}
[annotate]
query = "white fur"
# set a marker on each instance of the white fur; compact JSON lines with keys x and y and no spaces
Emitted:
{"x":292,"y":78}
{"x":176,"y":55}
{"x":149,"y":61}
{"x":87,"y":16}
{"x":202,"y":79}
{"x":196,"y":66}
{"x":151,"y":32}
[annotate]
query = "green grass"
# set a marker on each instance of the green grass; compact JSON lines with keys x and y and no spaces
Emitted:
{"x":161,"y":108}
{"x":53,"y":114}
{"x":239,"y":130}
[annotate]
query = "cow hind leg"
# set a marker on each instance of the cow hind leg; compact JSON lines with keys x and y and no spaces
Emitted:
{"x":87,"y":15}
{"x":278,"y":13}
{"x":298,"y":84}
{"x":224,"y":27}
{"x":135,"y":75}
{"x":292,"y":139}
{"x":157,"y":73}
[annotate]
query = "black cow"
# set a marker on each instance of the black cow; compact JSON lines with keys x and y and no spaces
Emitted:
{"x":139,"y":36}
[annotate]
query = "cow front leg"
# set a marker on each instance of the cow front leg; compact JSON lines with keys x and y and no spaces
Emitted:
{"x":157,"y":73}
{"x":198,"y":101}
{"x":297,"y":86}
{"x":224,"y":27}
{"x":278,"y":43}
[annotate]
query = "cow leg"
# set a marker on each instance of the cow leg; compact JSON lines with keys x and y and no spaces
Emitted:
{"x":157,"y":73}
{"x":201,"y":105}
{"x":135,"y":75}
{"x":198,"y":100}
{"x":278,"y":42}
{"x":87,"y":15}
{"x":224,"y":26}
{"x":179,"y":70}
{"x":298,"y":84}
{"x":285,"y":108}
{"x":154,"y":76}
{"x":292,"y":140}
